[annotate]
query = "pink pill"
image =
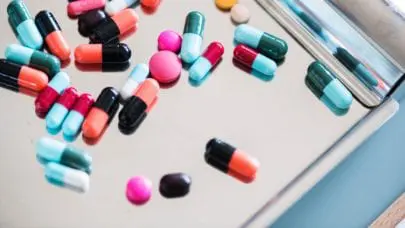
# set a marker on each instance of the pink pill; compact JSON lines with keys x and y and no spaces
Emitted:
{"x":80,"y":7}
{"x":139,"y":190}
{"x":169,"y":41}
{"x":165,"y":66}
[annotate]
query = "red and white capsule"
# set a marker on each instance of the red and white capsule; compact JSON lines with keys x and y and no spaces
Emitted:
{"x":211,"y":57}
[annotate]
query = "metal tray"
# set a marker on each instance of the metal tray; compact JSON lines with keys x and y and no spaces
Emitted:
{"x":278,"y":121}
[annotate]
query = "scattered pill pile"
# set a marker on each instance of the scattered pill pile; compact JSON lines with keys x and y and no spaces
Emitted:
{"x":29,"y":70}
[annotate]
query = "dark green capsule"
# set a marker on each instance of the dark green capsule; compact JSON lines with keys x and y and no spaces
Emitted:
{"x":195,"y":23}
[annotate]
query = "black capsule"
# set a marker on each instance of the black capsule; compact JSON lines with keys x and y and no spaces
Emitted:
{"x":175,"y":185}
{"x":89,"y":21}
{"x":108,"y":101}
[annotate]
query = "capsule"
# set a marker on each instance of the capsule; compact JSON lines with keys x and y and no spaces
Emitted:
{"x":266,"y":44}
{"x":55,"y":117}
{"x":230,"y":160}
{"x":322,"y":79}
{"x":150,"y":4}
{"x":137,"y":76}
{"x":73,"y":122}
{"x":35,"y":59}
{"x":207,"y":61}
{"x":101,"y":113}
{"x":22,"y":23}
{"x":253,"y":60}
{"x":51,"y":150}
{"x":137,"y":107}
{"x":192,"y":37}
{"x":63,"y":176}
{"x":355,"y":66}
{"x":48,"y":96}
{"x":115,"y":26}
{"x":50,"y":30}
{"x":115,"y":6}
{"x":80,"y":7}
{"x":89,"y":21}
{"x":18,"y":77}
{"x":102,"y":53}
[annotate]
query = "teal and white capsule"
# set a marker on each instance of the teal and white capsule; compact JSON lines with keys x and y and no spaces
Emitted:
{"x":55,"y":117}
{"x":63,"y":176}
{"x":322,"y":79}
{"x":35,"y":59}
{"x":266,"y":44}
{"x":23,"y":25}
{"x":51,"y":150}
{"x":137,"y":76}
{"x":73,"y":122}
{"x":192,"y":37}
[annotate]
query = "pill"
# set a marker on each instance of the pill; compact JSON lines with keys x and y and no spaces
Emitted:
{"x":33,"y":58}
{"x":138,"y":106}
{"x":115,"y":26}
{"x":80,"y":7}
{"x":206,"y":61}
{"x":174,"y":185}
{"x":89,"y":21}
{"x":192,"y":37}
{"x":225,"y":4}
{"x":66,"y":177}
{"x":51,"y":150}
{"x":50,"y":30}
{"x":139,"y":190}
{"x":48,"y":96}
{"x":114,"y":6}
{"x":253,"y":60}
{"x":165,"y":66}
{"x":57,"y":114}
{"x":18,"y":77}
{"x":152,"y":4}
{"x":355,"y":66}
{"x":169,"y":41}
{"x":321,"y":78}
{"x":73,"y":122}
{"x":266,"y":44}
{"x":102,"y":53}
{"x":137,"y":76}
{"x":230,"y":160}
{"x":22,"y":23}
{"x":240,"y":14}
{"x":101,"y":113}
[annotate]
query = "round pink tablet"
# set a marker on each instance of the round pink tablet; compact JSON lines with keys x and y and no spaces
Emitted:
{"x":139,"y":190}
{"x":165,"y":66}
{"x":169,"y":41}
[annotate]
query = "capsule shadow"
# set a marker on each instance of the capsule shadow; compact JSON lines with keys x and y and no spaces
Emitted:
{"x":105,"y":67}
{"x":255,"y":73}
{"x":168,"y":85}
{"x":70,"y":138}
{"x":53,"y":131}
{"x":186,"y":66}
{"x":65,"y":63}
{"x":279,"y":62}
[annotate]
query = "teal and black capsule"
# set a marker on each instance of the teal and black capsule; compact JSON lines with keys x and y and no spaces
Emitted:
{"x":326,"y":86}
{"x":24,"y":26}
{"x":192,"y":37}
{"x":35,"y":59}
{"x":51,"y":150}
{"x":266,"y":44}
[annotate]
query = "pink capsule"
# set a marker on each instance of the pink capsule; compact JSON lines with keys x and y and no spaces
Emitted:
{"x":80,"y":7}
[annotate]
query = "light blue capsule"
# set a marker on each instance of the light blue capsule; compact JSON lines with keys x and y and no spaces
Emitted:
{"x":60,"y":82}
{"x":366,"y":75}
{"x":49,"y":150}
{"x":248,"y":35}
{"x":338,"y":94}
{"x":72,"y":124}
{"x":29,"y":34}
{"x":19,"y":54}
{"x":55,"y":117}
{"x":137,"y":76}
{"x":200,"y":69}
{"x":264,"y":65}
{"x":63,"y":176}
{"x":191,"y":47}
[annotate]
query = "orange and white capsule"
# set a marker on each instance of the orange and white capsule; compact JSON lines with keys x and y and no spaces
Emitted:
{"x":230,"y":160}
{"x":51,"y":32}
{"x":102,"y":53}
{"x":138,"y":106}
{"x":80,"y":7}
{"x":115,"y":26}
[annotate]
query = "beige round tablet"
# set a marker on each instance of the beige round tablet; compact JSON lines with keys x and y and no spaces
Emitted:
{"x":240,"y":14}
